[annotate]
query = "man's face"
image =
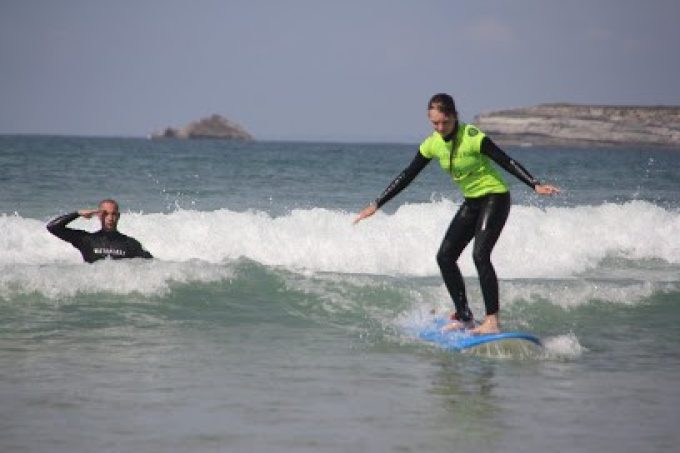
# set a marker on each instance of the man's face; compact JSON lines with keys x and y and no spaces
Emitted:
{"x":109,"y":215}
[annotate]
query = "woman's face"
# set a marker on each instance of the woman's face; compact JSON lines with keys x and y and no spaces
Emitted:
{"x":441,"y":122}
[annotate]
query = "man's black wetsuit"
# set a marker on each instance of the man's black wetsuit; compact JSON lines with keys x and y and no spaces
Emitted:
{"x":480,"y":218}
{"x":99,"y":245}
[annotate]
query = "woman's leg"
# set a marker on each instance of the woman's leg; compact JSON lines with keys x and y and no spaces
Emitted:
{"x":457,"y":237}
{"x":493,"y":214}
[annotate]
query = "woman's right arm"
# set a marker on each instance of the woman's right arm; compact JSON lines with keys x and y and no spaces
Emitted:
{"x":397,"y":185}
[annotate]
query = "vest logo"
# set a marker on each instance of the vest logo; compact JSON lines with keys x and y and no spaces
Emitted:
{"x":472,"y":131}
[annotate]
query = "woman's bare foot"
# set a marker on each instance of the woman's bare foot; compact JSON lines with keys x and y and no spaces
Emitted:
{"x":490,"y":324}
{"x":458,"y":325}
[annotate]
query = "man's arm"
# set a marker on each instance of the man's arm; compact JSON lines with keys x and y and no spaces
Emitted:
{"x":58,"y":228}
{"x":135,"y":249}
{"x":142,"y":253}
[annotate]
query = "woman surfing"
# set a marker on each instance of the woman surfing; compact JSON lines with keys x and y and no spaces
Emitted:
{"x":466,"y":153}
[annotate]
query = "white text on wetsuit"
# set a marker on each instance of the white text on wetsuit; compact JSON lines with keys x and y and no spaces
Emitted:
{"x":107,"y":251}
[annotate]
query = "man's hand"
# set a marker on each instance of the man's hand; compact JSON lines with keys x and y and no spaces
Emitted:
{"x":88,"y":213}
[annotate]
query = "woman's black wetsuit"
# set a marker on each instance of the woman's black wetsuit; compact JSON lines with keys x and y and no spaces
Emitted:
{"x":480,"y":218}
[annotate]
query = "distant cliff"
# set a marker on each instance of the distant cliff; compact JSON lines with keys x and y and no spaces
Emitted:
{"x":214,"y":126}
{"x":572,"y":124}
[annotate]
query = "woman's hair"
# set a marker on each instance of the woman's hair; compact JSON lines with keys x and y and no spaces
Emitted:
{"x":444,"y":103}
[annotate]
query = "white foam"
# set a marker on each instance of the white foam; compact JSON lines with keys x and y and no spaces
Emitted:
{"x":574,"y":293}
{"x":536,"y":243}
{"x":147,"y":278}
{"x":562,"y":347}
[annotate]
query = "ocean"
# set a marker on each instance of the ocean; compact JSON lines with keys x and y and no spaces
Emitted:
{"x":267,"y":322}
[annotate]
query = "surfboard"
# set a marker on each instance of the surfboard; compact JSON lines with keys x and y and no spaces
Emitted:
{"x":462,"y":340}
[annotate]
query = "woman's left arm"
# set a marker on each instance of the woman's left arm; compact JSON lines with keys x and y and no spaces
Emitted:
{"x":513,"y":167}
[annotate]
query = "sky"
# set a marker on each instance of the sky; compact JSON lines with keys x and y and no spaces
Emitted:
{"x":321,"y":70}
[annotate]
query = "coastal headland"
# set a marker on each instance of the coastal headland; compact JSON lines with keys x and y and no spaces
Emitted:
{"x":583,"y":125}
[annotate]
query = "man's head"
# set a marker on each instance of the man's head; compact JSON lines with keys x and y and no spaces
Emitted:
{"x":109,"y":214}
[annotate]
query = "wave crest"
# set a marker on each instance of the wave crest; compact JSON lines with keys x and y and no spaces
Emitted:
{"x":536,"y":243}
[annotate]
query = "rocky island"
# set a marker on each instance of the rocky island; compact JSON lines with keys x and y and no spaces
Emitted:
{"x":214,"y":126}
{"x":574,"y":124}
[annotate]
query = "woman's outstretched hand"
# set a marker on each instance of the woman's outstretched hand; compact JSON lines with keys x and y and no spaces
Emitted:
{"x":366,"y":212}
{"x":546,"y":189}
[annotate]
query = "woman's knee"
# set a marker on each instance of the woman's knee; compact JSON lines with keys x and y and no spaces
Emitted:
{"x":447,"y":254}
{"x":481,"y":258}
{"x":444,"y":258}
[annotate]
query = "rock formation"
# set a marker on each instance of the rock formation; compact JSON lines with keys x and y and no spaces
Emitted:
{"x":571,"y":124}
{"x":214,"y":126}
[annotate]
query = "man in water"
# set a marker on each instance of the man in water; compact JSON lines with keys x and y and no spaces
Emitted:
{"x":105,"y":243}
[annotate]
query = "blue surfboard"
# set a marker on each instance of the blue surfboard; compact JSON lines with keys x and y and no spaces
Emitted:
{"x":460,"y":340}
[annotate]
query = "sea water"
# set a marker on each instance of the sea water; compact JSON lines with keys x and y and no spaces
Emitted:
{"x":268,"y":322}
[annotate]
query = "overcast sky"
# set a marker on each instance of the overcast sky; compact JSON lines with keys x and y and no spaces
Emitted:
{"x":346,"y":70}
